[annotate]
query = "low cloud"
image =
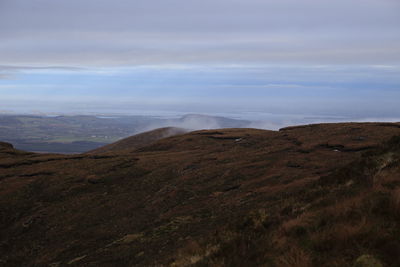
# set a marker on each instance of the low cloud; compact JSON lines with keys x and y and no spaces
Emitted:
{"x":193,"y":122}
{"x":8,"y":72}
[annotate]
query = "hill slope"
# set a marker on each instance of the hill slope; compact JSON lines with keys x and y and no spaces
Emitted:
{"x":317,"y":195}
{"x":140,"y":140}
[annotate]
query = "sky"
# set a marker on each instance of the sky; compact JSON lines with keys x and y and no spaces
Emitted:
{"x":241,"y":58}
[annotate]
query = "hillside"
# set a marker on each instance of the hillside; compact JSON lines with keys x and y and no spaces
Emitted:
{"x":314,"y":195}
{"x":140,"y":140}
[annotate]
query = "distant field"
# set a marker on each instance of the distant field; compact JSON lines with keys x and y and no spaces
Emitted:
{"x":54,"y":147}
{"x":63,"y":134}
{"x":77,"y":134}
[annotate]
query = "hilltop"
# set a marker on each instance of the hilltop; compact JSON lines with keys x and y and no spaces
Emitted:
{"x":313,"y":195}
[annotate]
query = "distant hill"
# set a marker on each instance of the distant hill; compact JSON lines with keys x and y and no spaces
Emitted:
{"x":4,"y":146}
{"x":313,"y":195}
{"x":140,"y":140}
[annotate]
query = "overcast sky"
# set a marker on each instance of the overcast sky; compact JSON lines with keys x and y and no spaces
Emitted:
{"x":337,"y":57}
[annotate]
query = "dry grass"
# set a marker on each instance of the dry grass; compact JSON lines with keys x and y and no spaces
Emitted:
{"x":295,"y":256}
{"x":306,"y":215}
{"x":341,"y":234}
{"x":396,"y":201}
{"x":193,"y":253}
{"x":259,"y":217}
{"x":304,"y":219}
{"x":345,"y":208}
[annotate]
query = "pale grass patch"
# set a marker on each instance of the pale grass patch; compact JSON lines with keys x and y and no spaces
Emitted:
{"x":194,"y":253}
{"x":302,"y":220}
{"x":295,"y":256}
{"x":259,"y":217}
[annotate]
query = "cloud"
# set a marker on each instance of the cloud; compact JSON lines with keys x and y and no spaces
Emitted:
{"x":5,"y":76}
{"x":11,"y":72}
{"x":123,"y":32}
{"x":18,"y":68}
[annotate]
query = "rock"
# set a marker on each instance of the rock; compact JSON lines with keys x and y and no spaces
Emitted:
{"x":76,"y":259}
{"x":130,"y":238}
{"x":126,"y":239}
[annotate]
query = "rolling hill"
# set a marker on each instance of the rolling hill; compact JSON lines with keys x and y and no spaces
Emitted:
{"x":313,"y":195}
{"x":140,"y":140}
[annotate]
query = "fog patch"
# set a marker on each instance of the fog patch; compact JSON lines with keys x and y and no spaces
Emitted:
{"x":172,"y":131}
{"x":193,"y":122}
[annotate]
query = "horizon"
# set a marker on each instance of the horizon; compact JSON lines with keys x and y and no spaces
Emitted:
{"x":209,"y":120}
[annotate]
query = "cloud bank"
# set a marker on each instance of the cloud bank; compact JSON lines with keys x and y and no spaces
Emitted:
{"x":124,"y":32}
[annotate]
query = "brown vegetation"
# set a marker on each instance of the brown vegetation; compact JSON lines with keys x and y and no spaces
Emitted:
{"x":140,"y":140}
{"x":318,"y":195}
